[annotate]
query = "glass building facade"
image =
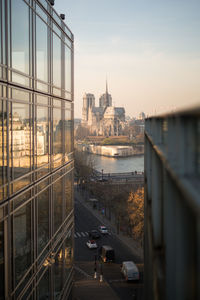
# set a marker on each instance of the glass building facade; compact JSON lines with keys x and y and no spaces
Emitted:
{"x":36,"y":152}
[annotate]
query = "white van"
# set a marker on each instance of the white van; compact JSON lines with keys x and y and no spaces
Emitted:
{"x":130,"y":270}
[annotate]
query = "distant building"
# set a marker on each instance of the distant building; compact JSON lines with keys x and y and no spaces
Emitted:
{"x":142,"y":116}
{"x":103,"y":120}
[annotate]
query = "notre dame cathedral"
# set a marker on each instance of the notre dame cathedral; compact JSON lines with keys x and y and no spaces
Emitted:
{"x":106,"y":119}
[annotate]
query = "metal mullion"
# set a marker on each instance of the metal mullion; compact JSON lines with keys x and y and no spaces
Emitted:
{"x":34,"y":135}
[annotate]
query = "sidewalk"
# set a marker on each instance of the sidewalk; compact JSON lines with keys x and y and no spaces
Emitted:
{"x":129,"y":242}
{"x":93,"y":289}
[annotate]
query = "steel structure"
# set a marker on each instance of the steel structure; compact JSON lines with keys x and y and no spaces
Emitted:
{"x":172,"y":206}
{"x":36,"y":152}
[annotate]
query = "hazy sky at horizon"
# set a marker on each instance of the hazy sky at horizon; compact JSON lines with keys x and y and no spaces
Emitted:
{"x":148,"y":50}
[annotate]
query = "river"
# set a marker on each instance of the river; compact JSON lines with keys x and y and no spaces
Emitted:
{"x":118,"y":165}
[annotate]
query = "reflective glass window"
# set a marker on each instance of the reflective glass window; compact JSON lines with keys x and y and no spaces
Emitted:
{"x":43,"y":219}
{"x":20,"y":35}
{"x":42,"y":135}
{"x":57,"y":132}
{"x":56,"y":60}
{"x":58,"y":203}
{"x":3,"y":48}
{"x":3,"y":148}
{"x":43,"y":290}
{"x":22,"y":241}
{"x":20,"y":132}
{"x":41,"y":50}
{"x":68,"y":254}
{"x":58,"y":270}
{"x":0,"y":32}
{"x":68,"y":132}
{"x":21,"y":199}
{"x":2,"y":261}
{"x":19,"y":94}
{"x":42,"y":100}
{"x":68,"y":69}
{"x":68,"y":192}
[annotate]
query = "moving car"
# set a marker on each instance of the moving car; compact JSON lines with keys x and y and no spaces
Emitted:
{"x":130,"y":270}
{"x":107,"y":253}
{"x":103,"y":229}
{"x":94,"y":234}
{"x":91,"y":244}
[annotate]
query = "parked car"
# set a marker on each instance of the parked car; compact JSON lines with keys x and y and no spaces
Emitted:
{"x":91,"y":244}
{"x":130,"y":270}
{"x":107,"y":253}
{"x":103,"y":229}
{"x":94,"y":234}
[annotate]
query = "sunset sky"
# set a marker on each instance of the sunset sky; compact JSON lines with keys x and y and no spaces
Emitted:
{"x":149,"y":51}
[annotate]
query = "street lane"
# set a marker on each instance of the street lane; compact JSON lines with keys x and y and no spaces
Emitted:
{"x":85,"y":257}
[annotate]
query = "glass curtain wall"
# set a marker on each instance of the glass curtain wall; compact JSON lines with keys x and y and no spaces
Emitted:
{"x":36,"y":152}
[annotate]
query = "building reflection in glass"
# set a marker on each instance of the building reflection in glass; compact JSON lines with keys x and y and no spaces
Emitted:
{"x":36,"y":145}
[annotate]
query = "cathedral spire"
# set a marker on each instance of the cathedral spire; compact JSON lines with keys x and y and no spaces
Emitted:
{"x":107,"y":96}
{"x":106,"y":87}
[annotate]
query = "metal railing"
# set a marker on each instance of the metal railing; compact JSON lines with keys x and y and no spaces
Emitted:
{"x":172,"y":206}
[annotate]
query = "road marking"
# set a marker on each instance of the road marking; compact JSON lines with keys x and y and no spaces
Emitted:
{"x":78,"y":234}
{"x":86,"y":233}
{"x":82,"y":233}
{"x":75,"y":235}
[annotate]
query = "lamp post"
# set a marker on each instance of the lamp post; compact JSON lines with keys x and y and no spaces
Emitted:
{"x":95,"y":267}
{"x":101,"y":273}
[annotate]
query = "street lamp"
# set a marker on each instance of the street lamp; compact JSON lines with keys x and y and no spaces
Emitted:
{"x":95,"y":267}
{"x":102,"y":174}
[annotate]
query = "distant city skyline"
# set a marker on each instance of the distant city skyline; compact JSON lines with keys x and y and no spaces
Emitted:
{"x":149,"y":51}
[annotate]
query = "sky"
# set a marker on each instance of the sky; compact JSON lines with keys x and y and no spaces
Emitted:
{"x":149,"y":51}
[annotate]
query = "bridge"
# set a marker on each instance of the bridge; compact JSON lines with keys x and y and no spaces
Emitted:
{"x":124,"y":177}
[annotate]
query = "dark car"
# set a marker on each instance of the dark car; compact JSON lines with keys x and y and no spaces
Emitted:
{"x":94,"y":234}
{"x":107,"y":253}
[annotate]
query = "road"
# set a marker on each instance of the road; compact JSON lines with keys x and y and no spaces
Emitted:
{"x":85,"y":258}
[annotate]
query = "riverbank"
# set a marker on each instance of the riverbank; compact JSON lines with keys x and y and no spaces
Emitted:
{"x":112,"y":151}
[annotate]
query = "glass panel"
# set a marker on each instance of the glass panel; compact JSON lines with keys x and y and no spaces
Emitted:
{"x":43,"y":220}
{"x":19,"y":94}
{"x":68,"y":132}
{"x":20,"y":133}
{"x":3,"y":33}
{"x":57,"y":132}
{"x":41,"y":50}
{"x":0,"y":31}
{"x":58,"y":273}
{"x":68,"y":254}
{"x":44,"y":3}
{"x":3,"y":149}
{"x":21,"y":199}
{"x":56,"y":103}
{"x":68,"y":69}
{"x":22,"y":241}
{"x":41,"y":12}
{"x":57,"y":200}
{"x":42,"y":99}
{"x":68,"y":193}
{"x":56,"y":60}
{"x":2,"y":261}
{"x":20,"y":42}
{"x":42,"y":143}
{"x":43,"y":290}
